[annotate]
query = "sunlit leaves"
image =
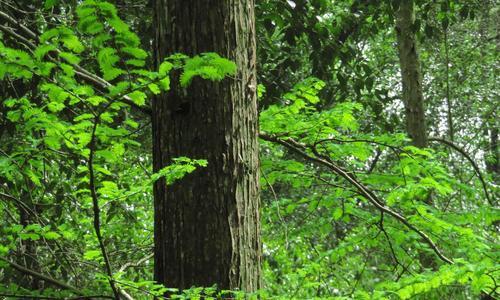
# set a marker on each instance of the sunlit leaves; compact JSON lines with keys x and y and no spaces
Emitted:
{"x":177,"y":170}
{"x":138,"y":97}
{"x":207,"y":66}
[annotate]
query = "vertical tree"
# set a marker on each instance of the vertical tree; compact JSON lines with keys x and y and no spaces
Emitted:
{"x":492,"y":160}
{"x":207,"y":224}
{"x":411,"y":73}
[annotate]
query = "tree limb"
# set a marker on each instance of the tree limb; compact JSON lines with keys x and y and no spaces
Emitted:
{"x":473,"y":163}
{"x":363,"y":190}
{"x":42,"y":277}
{"x":97,"y":210}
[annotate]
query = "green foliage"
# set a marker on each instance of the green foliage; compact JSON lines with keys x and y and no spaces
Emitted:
{"x":181,"y":167}
{"x":322,"y":237}
{"x":207,"y":66}
{"x":65,"y":130}
{"x":335,"y":249}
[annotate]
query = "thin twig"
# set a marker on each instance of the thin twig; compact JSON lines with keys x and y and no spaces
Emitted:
{"x":97,"y":210}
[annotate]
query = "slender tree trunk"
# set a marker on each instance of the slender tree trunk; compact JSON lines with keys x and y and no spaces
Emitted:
{"x":413,"y":98}
{"x":207,"y":227}
{"x":449,"y":101}
{"x":493,"y":163}
{"x":411,"y":74}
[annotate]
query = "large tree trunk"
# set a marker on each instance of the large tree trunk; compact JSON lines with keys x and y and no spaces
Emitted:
{"x":207,"y":224}
{"x":411,"y":74}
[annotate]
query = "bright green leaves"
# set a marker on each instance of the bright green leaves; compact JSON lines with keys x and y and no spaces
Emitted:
{"x":62,"y":35}
{"x":306,"y":90}
{"x":98,"y":18}
{"x":165,"y":68}
{"x":56,"y":96}
{"x":459,"y":274}
{"x":33,"y":232}
{"x":15,"y":63}
{"x":50,"y":3}
{"x":107,"y":59}
{"x":89,"y":14}
{"x":137,"y":53}
{"x":70,"y":58}
{"x":177,"y":170}
{"x":94,"y":255}
{"x":207,"y":66}
{"x":298,"y":114}
{"x":72,"y":43}
{"x":138,"y":97}
{"x":88,"y":21}
{"x":163,"y":72}
{"x":108,"y":190}
{"x":43,"y":50}
{"x":405,"y":179}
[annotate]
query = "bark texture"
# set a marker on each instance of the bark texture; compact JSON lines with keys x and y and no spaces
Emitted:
{"x":207,"y":227}
{"x":411,"y":74}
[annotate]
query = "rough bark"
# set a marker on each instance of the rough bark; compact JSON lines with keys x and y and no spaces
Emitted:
{"x":207,"y":224}
{"x":411,"y":74}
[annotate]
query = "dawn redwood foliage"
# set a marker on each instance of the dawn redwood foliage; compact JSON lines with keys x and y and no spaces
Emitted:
{"x":298,"y":149}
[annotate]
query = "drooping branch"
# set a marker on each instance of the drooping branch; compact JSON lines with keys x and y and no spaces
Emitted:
{"x":42,"y":277}
{"x":320,"y":159}
{"x":21,"y":204}
{"x":472,"y":162}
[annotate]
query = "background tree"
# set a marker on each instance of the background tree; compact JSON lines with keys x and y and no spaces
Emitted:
{"x":411,"y":74}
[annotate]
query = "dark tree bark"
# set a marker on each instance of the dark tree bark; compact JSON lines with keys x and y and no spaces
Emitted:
{"x":411,"y":74}
{"x":207,"y":224}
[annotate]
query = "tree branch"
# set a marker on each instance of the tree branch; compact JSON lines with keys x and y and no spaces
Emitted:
{"x":473,"y":163}
{"x":363,"y":190}
{"x":42,"y":277}
{"x":96,"y":209}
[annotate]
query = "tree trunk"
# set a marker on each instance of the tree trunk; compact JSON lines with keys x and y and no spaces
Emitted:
{"x":413,"y":98}
{"x":493,"y":159}
{"x":411,"y":74}
{"x":207,"y":226}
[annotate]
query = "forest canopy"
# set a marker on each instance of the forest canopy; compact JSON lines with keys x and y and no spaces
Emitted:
{"x":249,"y":149}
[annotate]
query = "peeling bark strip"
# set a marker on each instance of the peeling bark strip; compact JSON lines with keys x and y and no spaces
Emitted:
{"x":411,"y":74}
{"x":207,"y":224}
